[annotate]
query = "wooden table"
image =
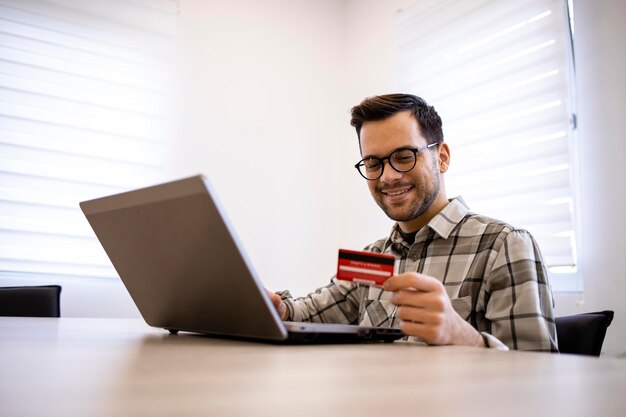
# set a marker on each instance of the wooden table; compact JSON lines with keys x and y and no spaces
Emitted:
{"x":116,"y":367}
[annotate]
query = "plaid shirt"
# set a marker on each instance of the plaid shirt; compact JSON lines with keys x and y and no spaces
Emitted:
{"x":494,"y":275}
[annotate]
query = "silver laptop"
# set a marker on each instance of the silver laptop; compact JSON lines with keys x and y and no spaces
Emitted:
{"x":185,"y":269}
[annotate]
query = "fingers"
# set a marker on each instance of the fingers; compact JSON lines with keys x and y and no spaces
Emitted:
{"x":422,"y":306}
{"x":428,"y":333}
{"x":282,"y":310}
{"x":428,"y":325}
{"x":425,"y":311}
{"x":412,"y":280}
{"x":278,"y":304}
{"x":417,"y":290}
{"x":275,"y":297}
{"x":435,"y":301}
{"x":419,"y":315}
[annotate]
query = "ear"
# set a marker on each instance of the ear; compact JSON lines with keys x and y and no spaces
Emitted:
{"x":444,"y":157}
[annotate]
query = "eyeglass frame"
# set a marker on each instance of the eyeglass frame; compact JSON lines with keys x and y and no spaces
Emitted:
{"x":388,"y":158}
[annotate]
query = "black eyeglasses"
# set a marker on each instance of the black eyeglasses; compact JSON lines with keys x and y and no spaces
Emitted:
{"x":402,"y":160}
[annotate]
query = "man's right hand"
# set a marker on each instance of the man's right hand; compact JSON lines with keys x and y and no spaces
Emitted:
{"x":281,"y":307}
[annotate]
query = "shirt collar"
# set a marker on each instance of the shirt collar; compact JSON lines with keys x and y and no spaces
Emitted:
{"x":442,"y":224}
{"x":446,"y":220}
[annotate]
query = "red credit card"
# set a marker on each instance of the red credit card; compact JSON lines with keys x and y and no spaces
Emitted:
{"x":364,"y":267}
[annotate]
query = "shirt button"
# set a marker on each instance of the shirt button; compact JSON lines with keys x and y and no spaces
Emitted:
{"x":414,"y":258}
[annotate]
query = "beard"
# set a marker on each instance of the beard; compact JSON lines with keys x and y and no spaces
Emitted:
{"x":426,"y":194}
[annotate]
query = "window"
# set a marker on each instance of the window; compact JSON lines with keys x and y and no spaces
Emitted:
{"x":84,"y":96}
{"x":499,"y":74}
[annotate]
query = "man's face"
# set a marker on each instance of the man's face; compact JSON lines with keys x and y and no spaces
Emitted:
{"x":403,"y":196}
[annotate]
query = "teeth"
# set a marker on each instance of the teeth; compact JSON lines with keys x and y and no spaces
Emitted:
{"x":394,"y":193}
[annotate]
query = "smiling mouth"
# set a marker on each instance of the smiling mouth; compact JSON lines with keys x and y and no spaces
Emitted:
{"x":397,"y":192}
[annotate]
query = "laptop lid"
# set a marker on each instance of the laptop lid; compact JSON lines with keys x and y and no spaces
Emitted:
{"x":179,"y":259}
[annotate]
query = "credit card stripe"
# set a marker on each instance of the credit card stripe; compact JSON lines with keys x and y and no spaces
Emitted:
{"x":364,"y":271}
{"x":374,"y":258}
{"x":365,"y":281}
{"x":365,"y":265}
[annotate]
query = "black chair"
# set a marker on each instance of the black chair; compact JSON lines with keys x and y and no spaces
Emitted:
{"x":31,"y":301}
{"x":583,"y":334}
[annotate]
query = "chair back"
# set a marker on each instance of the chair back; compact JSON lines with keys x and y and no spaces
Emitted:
{"x":31,"y":301}
{"x":583,"y":334}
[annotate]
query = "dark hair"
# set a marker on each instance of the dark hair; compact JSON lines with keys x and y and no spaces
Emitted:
{"x":380,"y":107}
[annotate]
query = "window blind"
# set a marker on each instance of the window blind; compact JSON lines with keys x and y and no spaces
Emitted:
{"x":499,"y":74}
{"x":84,"y":112}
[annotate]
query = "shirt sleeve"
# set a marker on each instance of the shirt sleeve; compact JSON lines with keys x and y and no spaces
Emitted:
{"x":338,"y":302}
{"x":520,"y":303}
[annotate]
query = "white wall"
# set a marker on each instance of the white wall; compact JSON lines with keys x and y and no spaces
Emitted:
{"x":278,"y":78}
{"x":263,"y":114}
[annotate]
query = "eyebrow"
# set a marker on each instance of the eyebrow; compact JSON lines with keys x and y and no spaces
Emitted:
{"x":401,"y":148}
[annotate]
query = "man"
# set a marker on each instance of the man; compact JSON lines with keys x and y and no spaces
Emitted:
{"x":464,"y":279}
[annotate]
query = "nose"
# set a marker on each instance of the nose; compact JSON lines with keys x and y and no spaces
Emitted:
{"x":389,"y":174}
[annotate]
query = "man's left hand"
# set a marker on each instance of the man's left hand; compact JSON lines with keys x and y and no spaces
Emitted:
{"x":425,"y":311}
